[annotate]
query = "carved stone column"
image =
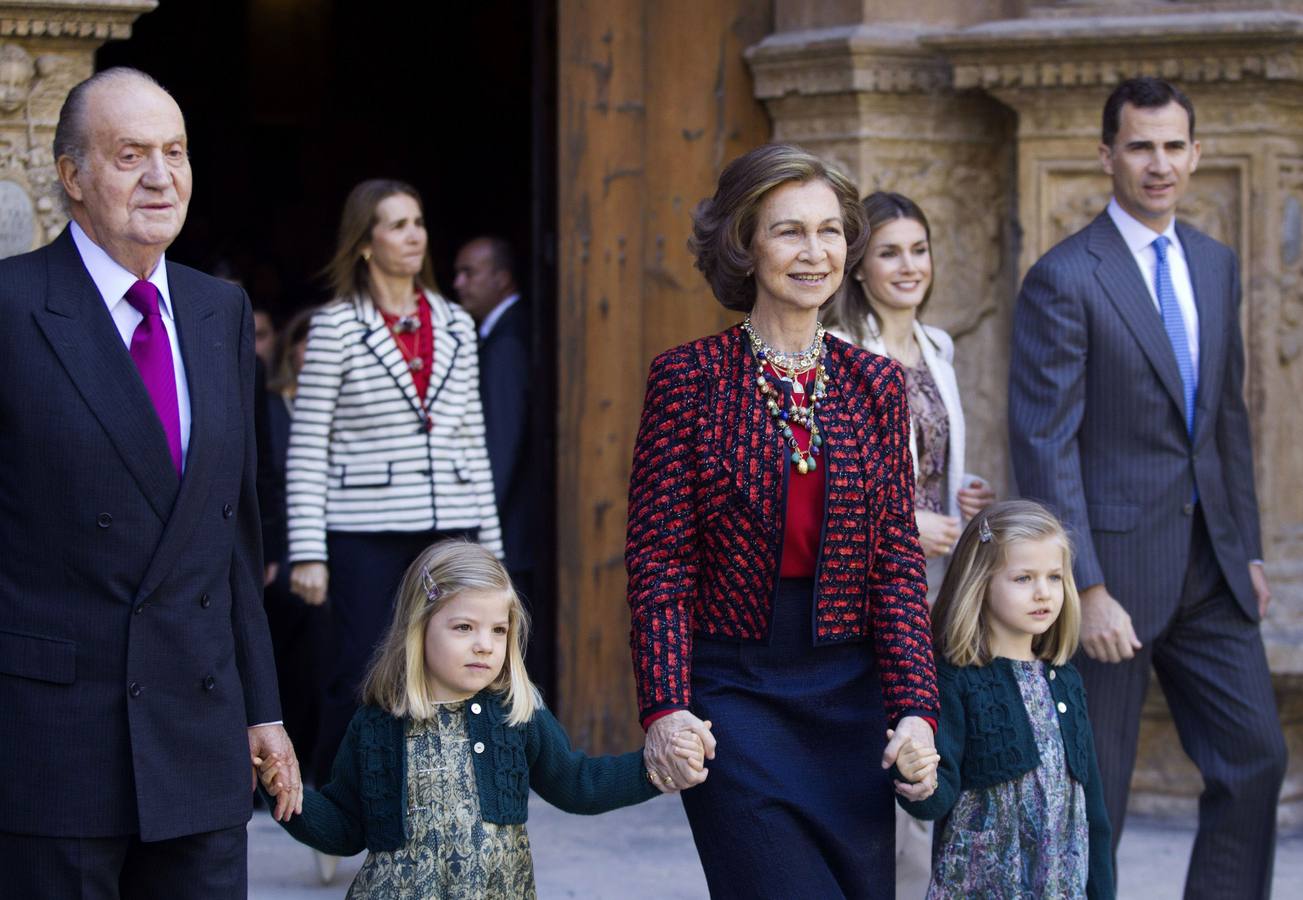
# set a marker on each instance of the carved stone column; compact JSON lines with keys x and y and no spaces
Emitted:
{"x":1243,"y":69}
{"x":883,"y":107}
{"x":46,"y":47}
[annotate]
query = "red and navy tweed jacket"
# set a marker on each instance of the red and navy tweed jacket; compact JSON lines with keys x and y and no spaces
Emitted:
{"x":707,"y":507}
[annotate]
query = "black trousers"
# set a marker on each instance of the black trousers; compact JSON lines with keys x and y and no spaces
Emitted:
{"x":208,"y":866}
{"x":1213,"y":671}
{"x":365,"y":571}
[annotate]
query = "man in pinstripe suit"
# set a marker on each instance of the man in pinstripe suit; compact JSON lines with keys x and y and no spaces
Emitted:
{"x":1126,"y":415}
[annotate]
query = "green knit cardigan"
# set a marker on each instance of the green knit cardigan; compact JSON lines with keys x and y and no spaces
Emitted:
{"x":364,"y":805}
{"x":985,"y":738}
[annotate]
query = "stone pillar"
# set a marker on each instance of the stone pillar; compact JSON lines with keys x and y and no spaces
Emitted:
{"x":46,"y":47}
{"x":1243,"y":69}
{"x":882,"y":106}
{"x":988,"y":114}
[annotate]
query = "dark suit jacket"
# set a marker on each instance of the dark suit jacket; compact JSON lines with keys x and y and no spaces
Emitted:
{"x":1097,"y":427}
{"x":133,"y":647}
{"x":505,"y":374}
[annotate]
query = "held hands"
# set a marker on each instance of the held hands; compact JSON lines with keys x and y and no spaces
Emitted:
{"x":1106,"y":631}
{"x":913,"y":751}
{"x":277,"y":767}
{"x":937,"y":533}
{"x":309,"y":580}
{"x":677,"y":747}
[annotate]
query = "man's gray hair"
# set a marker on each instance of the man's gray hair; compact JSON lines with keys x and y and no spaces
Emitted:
{"x":70,"y":138}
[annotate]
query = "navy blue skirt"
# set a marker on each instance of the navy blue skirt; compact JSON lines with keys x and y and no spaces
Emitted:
{"x":797,"y":803}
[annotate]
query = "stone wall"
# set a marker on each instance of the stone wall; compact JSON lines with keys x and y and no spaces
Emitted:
{"x":988,"y":115}
{"x":46,"y":47}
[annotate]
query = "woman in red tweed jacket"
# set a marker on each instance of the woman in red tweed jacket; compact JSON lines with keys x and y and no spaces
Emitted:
{"x":776,"y":582}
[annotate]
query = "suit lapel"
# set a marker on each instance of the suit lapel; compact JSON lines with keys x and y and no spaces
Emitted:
{"x":1120,"y":277}
{"x":384,"y":348}
{"x":448,"y":338}
{"x":1204,"y":279}
{"x":83,"y":336}
{"x":207,"y":361}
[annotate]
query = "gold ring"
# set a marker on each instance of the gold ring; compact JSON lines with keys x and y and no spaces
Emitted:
{"x":653,"y":777}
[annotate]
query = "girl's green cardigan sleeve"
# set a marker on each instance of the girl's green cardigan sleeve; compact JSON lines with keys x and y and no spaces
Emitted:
{"x":577,"y":783}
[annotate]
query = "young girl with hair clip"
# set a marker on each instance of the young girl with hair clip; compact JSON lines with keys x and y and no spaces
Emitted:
{"x":1019,"y":801}
{"x":434,"y":773}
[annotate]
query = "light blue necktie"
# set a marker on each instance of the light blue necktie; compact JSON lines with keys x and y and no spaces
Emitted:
{"x":1174,"y":325}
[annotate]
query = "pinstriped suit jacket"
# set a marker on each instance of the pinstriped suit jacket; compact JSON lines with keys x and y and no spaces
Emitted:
{"x":1097,"y":425}
{"x":360,"y":456}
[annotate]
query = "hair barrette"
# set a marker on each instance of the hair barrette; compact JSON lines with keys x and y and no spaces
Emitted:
{"x":984,"y":532}
{"x":432,"y":590}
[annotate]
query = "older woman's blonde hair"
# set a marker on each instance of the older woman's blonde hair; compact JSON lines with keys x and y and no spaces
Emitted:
{"x":724,"y":225}
{"x":960,"y":631}
{"x":396,"y":680}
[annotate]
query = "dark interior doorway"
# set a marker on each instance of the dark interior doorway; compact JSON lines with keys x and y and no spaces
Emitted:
{"x":289,"y":103}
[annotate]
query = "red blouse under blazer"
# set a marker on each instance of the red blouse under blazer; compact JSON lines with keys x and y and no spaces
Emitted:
{"x":706,"y":513}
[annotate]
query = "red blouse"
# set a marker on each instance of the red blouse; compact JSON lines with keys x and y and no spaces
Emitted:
{"x":803,"y":522}
{"x":416,"y":344}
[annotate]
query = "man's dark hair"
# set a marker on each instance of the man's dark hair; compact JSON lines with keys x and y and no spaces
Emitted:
{"x":501,"y":254}
{"x":1143,"y":93}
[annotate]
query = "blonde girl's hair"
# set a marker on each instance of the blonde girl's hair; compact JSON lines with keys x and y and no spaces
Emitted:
{"x":395,"y":681}
{"x":959,"y":628}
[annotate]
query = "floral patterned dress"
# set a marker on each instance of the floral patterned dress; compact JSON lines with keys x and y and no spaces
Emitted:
{"x":452,"y":853}
{"x":931,"y":422}
{"x":1022,"y":839}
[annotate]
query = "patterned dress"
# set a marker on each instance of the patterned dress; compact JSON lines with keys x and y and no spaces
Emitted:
{"x":452,"y":853}
{"x":931,"y":435}
{"x":1023,"y":839}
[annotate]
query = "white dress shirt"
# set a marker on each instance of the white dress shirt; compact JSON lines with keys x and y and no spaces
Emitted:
{"x":1140,"y":240}
{"x":113,"y":281}
{"x":492,"y":318}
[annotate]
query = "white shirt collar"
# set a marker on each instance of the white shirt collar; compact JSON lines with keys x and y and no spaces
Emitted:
{"x":498,"y":311}
{"x":111,"y":278}
{"x":1137,"y":234}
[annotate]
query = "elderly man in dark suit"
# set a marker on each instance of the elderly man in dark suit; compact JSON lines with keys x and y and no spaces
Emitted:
{"x":136,"y":674}
{"x":485,"y":283}
{"x":1126,"y":415}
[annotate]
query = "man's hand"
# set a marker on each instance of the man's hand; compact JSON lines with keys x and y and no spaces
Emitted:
{"x":669,"y":771}
{"x":1106,"y":632}
{"x":936,"y":533}
{"x":309,"y":580}
{"x":268,"y":742}
{"x":1258,"y":575}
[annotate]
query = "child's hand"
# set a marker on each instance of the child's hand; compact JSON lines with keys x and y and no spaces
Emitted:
{"x":915,"y":763}
{"x":271,"y":772}
{"x":688,"y":746}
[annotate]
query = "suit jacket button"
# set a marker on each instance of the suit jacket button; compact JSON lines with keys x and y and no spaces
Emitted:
{"x":475,"y":708}
{"x":135,"y":689}
{"x":209,"y":682}
{"x":104,"y":520}
{"x":205,"y":601}
{"x":479,"y":747}
{"x":1187,"y":510}
{"x":227,"y":511}
{"x":141,"y":608}
{"x":1063,"y":707}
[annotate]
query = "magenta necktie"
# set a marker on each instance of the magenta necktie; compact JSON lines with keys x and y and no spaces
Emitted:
{"x":152,"y":353}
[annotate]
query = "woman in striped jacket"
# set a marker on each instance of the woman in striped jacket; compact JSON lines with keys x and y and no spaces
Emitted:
{"x":387,"y":451}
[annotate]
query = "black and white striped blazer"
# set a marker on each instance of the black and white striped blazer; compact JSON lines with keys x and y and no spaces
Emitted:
{"x":360,"y":455}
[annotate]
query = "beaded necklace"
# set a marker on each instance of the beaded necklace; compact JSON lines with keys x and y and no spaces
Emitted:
{"x":789,"y":366}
